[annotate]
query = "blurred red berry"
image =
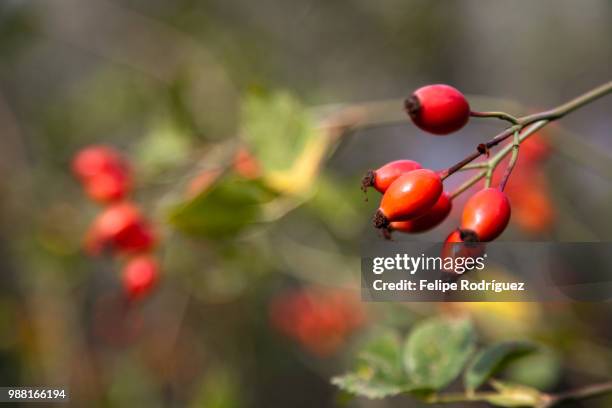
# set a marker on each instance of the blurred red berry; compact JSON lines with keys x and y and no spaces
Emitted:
{"x":533,"y":209}
{"x":534,"y":149}
{"x":120,"y":227}
{"x":486,"y":213}
{"x":108,"y":186}
{"x":105,"y":174}
{"x":433,"y":217}
{"x":246,"y":165}
{"x":534,"y":212}
{"x":139,"y":276}
{"x":438,"y":109}
{"x":202,"y":182}
{"x":382,"y":177}
{"x":321,"y":321}
{"x":410,"y":195}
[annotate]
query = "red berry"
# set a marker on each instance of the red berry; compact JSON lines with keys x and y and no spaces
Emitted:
{"x":534,"y":149}
{"x":532,"y":206}
{"x":93,"y":160}
{"x":411,"y":195}
{"x":438,"y":109}
{"x":427,"y":221}
{"x":104,"y":173}
{"x":461,"y":244}
{"x":120,"y":227}
{"x":382,"y":178}
{"x":321,"y":321}
{"x":246,"y":165}
{"x":486,"y":213}
{"x":139,"y":276}
{"x":108,"y":186}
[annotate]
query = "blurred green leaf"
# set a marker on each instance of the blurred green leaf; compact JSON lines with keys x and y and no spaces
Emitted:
{"x":514,"y":395}
{"x":223,"y":209}
{"x":436,"y":351}
{"x":284,"y":138}
{"x":218,"y":390}
{"x":366,"y":384}
{"x":384,"y":355}
{"x":164,"y":146}
{"x":494,"y":358}
{"x":379,"y":371}
{"x":540,"y":370}
{"x":277,"y":128}
{"x":339,"y":205}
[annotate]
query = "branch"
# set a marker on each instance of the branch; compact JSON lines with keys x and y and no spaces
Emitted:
{"x":589,"y":391}
{"x":515,"y":150}
{"x":492,"y":163}
{"x":522,"y":122}
{"x":541,"y":401}
{"x":500,"y":115}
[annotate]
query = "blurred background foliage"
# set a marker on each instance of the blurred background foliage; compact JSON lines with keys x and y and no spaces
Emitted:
{"x":180,"y":87}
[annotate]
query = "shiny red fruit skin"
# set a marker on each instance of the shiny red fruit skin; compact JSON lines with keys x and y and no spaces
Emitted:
{"x":438,"y":109}
{"x":387,"y":174}
{"x":486,"y":213}
{"x":139,"y":276}
{"x":120,"y":227}
{"x":462,"y":244}
{"x":427,"y":221}
{"x":411,"y":195}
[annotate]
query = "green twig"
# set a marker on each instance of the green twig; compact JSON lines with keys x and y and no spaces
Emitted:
{"x":513,"y":158}
{"x":500,"y":115}
{"x":545,"y":117}
{"x":494,"y":161}
{"x":469,"y":183}
{"x":587,"y":392}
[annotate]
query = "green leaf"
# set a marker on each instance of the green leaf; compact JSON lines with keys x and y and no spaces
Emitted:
{"x":493,"y":359}
{"x":284,"y":138}
{"x":514,"y":395}
{"x":379,"y":372}
{"x":224,"y":209}
{"x":365,"y":384}
{"x":540,"y":370}
{"x":162,"y":148}
{"x":436,"y":351}
{"x":276,"y":127}
{"x":383,"y":354}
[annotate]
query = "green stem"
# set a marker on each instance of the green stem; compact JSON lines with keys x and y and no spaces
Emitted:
{"x":590,"y":391}
{"x":494,"y":161}
{"x":513,"y":159}
{"x":546,"y":116}
{"x":500,"y":115}
{"x":469,"y":183}
{"x":569,"y":106}
{"x":450,"y":398}
{"x":473,"y":166}
{"x":546,"y":400}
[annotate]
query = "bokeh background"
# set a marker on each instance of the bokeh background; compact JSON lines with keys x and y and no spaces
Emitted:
{"x":313,"y":89}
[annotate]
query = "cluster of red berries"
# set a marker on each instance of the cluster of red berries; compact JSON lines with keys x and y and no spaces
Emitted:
{"x":120,"y":228}
{"x":414,"y":199}
{"x":319,"y":320}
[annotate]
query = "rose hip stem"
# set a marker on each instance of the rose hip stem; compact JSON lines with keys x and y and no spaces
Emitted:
{"x":545,"y":117}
